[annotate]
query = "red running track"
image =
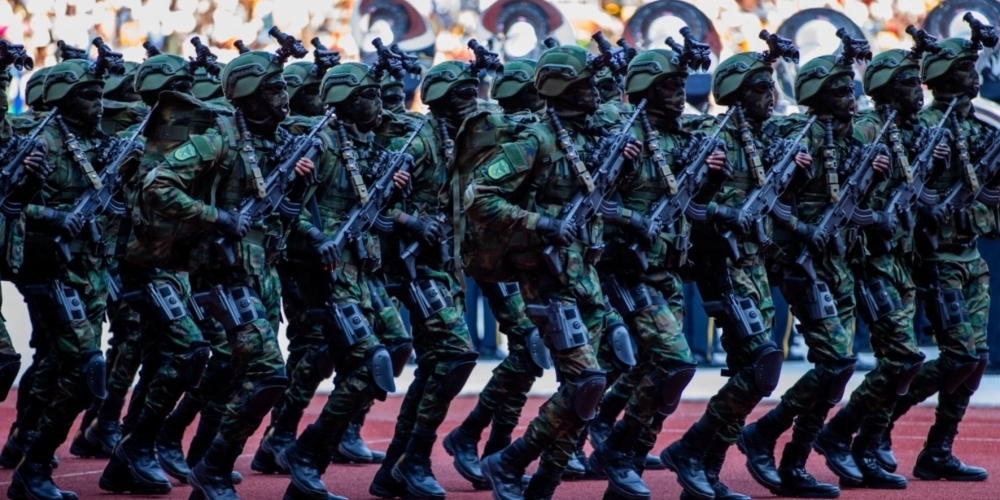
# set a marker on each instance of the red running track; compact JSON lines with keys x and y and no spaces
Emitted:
{"x":979,"y":444}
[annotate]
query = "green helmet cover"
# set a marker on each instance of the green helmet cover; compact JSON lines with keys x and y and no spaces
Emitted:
{"x":206,"y":85}
{"x":245,"y":74}
{"x":731,"y":73}
{"x":561,"y":67}
{"x":884,"y":67}
{"x":299,"y":74}
{"x":814,"y":74}
{"x":113,"y":84}
{"x":389,"y":81}
{"x":952,"y":51}
{"x":516,"y":75}
{"x":158,"y":71}
{"x":343,"y":79}
{"x":33,"y":88}
{"x":442,"y":78}
{"x":66,"y":76}
{"x":651,"y":66}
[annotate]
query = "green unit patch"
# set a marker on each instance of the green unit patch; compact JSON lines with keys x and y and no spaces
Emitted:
{"x":185,"y":152}
{"x":498,"y":169}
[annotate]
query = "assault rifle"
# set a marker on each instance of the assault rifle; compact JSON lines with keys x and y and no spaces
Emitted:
{"x":764,"y":199}
{"x":17,"y":149}
{"x":852,"y":195}
{"x":585,"y":204}
{"x":100,"y":198}
{"x":668,"y":209}
{"x":906,"y":194}
{"x":277,"y":185}
{"x":366,"y":215}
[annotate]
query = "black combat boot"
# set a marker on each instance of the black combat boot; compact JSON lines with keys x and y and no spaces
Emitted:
{"x":353,"y":449}
{"x":713,"y":467}
{"x":203,"y":438}
{"x":306,"y":459}
{"x":543,"y":483}
{"x":170,"y":454}
{"x":607,"y":415}
{"x":212,"y":477}
{"x":936,"y":461}
{"x":463,"y":448}
{"x":133,"y":468}
{"x":34,"y":480}
{"x":82,"y":448}
{"x":505,"y":470}
{"x":18,"y":442}
{"x":275,"y":440}
{"x":578,"y":467}
{"x":873,"y":475}
{"x":616,"y":459}
{"x":883,"y":454}
{"x":686,"y":457}
{"x":795,"y":481}
{"x":834,"y":443}
{"x":414,"y":468}
{"x":383,"y":485}
{"x":757,"y":442}
{"x":104,"y":434}
{"x":500,"y":438}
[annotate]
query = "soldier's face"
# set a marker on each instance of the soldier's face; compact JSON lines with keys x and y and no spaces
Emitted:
{"x":458,"y":103}
{"x":394,"y":98}
{"x":85,"y":104}
{"x":668,"y":96}
{"x":364,"y":108}
{"x":965,"y":78}
{"x":609,"y":90}
{"x":838,"y":98}
{"x":758,"y":97}
{"x":308,"y":101}
{"x":532,"y":101}
{"x":908,"y":93}
{"x":275,"y":97}
{"x":584,"y":95}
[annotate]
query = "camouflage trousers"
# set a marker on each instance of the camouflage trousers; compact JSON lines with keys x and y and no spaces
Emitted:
{"x":830,"y":342}
{"x":893,"y":341}
{"x":739,"y":395}
{"x":60,"y":387}
{"x":968,"y":339}
{"x":557,"y":426}
{"x":256,"y":358}
{"x":6,"y":346}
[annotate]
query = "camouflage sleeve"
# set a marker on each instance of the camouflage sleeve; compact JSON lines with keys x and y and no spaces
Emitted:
{"x":171,"y":182}
{"x":33,"y":211}
{"x":325,"y":164}
{"x":487,"y":198}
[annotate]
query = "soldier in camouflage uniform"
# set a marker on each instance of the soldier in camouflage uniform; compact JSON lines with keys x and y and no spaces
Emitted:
{"x":503,"y":398}
{"x":430,"y":286}
{"x":196,"y":187}
{"x":23,"y":123}
{"x":962,"y":275}
{"x":364,"y":365}
{"x":825,"y":307}
{"x":892,"y":79}
{"x":66,"y":297}
{"x":497,"y":199}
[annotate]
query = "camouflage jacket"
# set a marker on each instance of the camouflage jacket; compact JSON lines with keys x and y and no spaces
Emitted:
{"x":119,"y":116}
{"x":955,"y":240}
{"x":25,"y":123}
{"x":11,"y":229}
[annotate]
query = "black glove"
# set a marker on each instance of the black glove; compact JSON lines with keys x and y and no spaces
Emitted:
{"x":556,"y":231}
{"x":938,"y":214}
{"x":730,"y":217}
{"x":810,"y":235}
{"x":428,"y":229}
{"x":886,"y":223}
{"x":324,"y":247}
{"x":37,"y":167}
{"x":65,"y":223}
{"x":232,"y":224}
{"x":640,"y":225}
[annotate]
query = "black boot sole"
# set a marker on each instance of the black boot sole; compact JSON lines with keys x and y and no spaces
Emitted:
{"x":412,"y":492}
{"x":134,"y":488}
{"x":843,"y":474}
{"x":85,"y":449}
{"x":926,"y":475}
{"x":598,"y":465}
{"x":669,"y":464}
{"x":797,"y":494}
{"x":741,"y":445}
{"x":489,"y":478}
{"x":174,"y":473}
{"x":355,"y":458}
{"x":468,"y":476}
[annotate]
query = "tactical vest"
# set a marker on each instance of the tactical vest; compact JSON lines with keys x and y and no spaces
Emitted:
{"x":119,"y":116}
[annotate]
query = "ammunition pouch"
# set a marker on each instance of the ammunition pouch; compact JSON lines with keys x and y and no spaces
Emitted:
{"x":945,"y":308}
{"x":345,"y":323}
{"x":232,"y":307}
{"x":628,"y":298}
{"x":426,"y":298}
{"x":265,"y":394}
{"x":379,"y":365}
{"x":160,"y":301}
{"x":562,"y":324}
{"x":812,"y":299}
{"x":874,"y":300}
{"x":670,"y":386}
{"x":94,"y":372}
{"x":738,"y":315}
{"x":622,"y":347}
{"x":56,"y":296}
{"x":836,"y":376}
{"x":589,"y":391}
{"x":539,"y":356}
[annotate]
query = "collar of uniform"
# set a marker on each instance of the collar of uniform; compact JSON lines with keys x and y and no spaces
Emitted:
{"x":941,"y":104}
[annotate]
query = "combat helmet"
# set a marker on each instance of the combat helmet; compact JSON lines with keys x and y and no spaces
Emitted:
{"x":731,"y":73}
{"x":651,"y":66}
{"x":249,"y":70}
{"x":954,"y":50}
{"x":341,"y":81}
{"x":440,"y":79}
{"x":516,"y":75}
{"x":157,"y":72}
{"x":561,"y":67}
{"x":886,"y":65}
{"x":815,"y":74}
{"x":72,"y":73}
{"x":205,"y":69}
{"x":33,"y":87}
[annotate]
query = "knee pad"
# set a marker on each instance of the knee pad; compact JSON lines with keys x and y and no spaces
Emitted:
{"x":963,"y":367}
{"x":589,"y":391}
{"x":767,"y":360}
{"x":628,"y":296}
{"x":837,"y":375}
{"x":972,"y":383}
{"x":499,"y":291}
{"x":671,"y":385}
{"x":538,"y":354}
{"x":400,"y":353}
{"x":426,"y":298}
{"x":10,"y":365}
{"x":232,"y":307}
{"x":812,"y":299}
{"x":94,"y":372}
{"x":945,"y":308}
{"x":458,"y":371}
{"x":379,"y":365}
{"x":874,"y":300}
{"x":562,"y":324}
{"x":265,"y":395}
{"x":622,"y":347}
{"x":195,"y":362}
{"x":910,"y":368}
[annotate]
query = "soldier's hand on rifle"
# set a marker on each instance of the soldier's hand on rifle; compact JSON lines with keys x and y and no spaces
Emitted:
{"x":36,"y":165}
{"x":233,"y":224}
{"x":881,"y":164}
{"x":556,"y":231}
{"x":886,"y":223}
{"x":639,"y":224}
{"x":428,"y":229}
{"x":324,"y":247}
{"x":66,"y":223}
{"x":803,"y":160}
{"x":941,"y":151}
{"x":937,"y":214}
{"x":730,"y":217}
{"x":304,"y":167}
{"x":716,"y":161}
{"x":401,"y":180}
{"x":811,"y":236}
{"x":632,"y":150}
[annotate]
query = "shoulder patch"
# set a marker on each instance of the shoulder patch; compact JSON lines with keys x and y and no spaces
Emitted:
{"x":185,"y":152}
{"x":498,"y":169}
